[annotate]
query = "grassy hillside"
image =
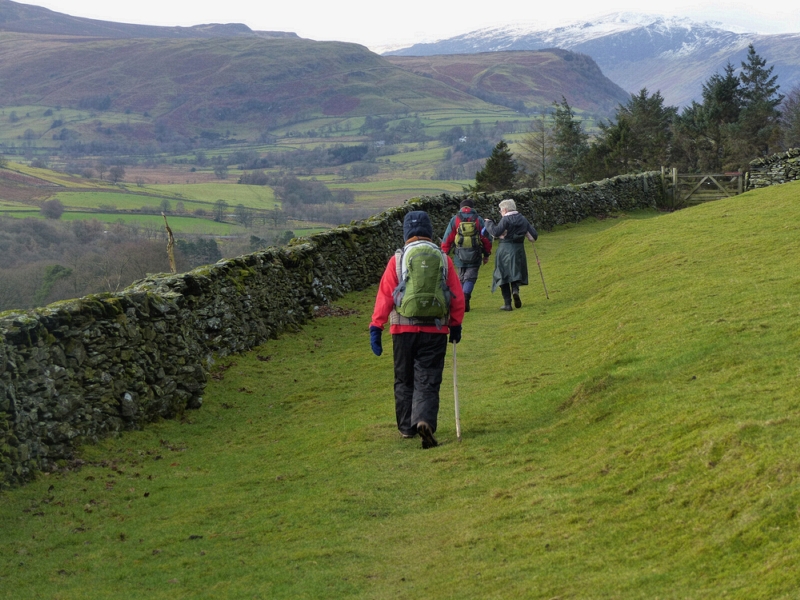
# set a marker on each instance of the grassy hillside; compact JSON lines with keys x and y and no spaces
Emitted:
{"x":632,"y":437}
{"x":211,"y":84}
{"x":536,"y":78}
{"x":159,"y":90}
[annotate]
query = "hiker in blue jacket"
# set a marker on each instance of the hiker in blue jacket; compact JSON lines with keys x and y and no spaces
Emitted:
{"x":466,"y":257}
{"x":510,"y":262}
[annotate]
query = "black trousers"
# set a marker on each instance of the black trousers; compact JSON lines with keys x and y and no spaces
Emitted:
{"x":418,"y":366}
{"x":506,"y":289}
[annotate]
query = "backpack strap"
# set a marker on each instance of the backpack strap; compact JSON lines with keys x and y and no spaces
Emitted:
{"x":398,"y":263}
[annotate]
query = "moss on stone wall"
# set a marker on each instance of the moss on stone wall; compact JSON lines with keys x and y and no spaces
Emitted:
{"x":775,"y":169}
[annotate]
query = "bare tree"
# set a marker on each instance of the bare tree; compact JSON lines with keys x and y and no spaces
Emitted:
{"x":244,"y":215}
{"x":790,"y":118}
{"x":116,"y":173}
{"x":17,"y":287}
{"x":220,"y":208}
{"x":537,"y":149}
{"x":277,"y":216}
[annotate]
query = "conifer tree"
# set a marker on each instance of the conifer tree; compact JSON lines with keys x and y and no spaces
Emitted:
{"x":639,"y":140}
{"x":758,"y":125}
{"x":537,"y":153}
{"x":499,"y":171}
{"x":570,"y":144}
{"x":692,"y":147}
{"x":722,"y":105}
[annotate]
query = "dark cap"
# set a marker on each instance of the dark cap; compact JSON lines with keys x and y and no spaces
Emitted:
{"x":467,"y":202}
{"x":417,"y":224}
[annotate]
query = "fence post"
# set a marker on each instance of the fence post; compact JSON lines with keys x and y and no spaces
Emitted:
{"x":674,"y":187}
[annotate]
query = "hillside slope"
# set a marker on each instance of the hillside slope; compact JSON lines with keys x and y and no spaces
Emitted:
{"x":530,"y":78}
{"x":202,"y":83}
{"x":25,"y":18}
{"x":632,"y":437}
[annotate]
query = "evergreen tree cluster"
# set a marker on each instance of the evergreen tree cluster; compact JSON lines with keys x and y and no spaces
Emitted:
{"x":499,"y":172}
{"x":742,"y":116}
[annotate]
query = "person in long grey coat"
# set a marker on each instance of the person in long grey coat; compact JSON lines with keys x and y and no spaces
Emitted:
{"x":510,"y":262}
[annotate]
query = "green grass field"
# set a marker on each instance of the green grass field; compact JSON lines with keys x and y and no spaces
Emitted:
{"x":179,"y":225}
{"x":406,"y":188}
{"x":193,"y":196}
{"x":119,"y":200}
{"x":252,"y":196}
{"x":631,"y":437}
{"x":12,"y":208}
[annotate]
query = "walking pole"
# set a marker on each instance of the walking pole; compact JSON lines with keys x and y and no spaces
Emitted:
{"x":540,"y":270}
{"x":455,"y":393}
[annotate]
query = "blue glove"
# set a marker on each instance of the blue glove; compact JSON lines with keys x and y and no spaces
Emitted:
{"x":375,"y":339}
{"x":455,"y":334}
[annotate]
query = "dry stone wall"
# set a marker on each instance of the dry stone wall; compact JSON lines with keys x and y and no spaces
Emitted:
{"x":775,"y":169}
{"x":81,"y":369}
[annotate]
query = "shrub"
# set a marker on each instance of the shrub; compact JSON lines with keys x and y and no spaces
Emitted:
{"x":52,"y":209}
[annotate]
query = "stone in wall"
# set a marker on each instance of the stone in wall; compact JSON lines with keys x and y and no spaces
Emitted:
{"x":775,"y":169}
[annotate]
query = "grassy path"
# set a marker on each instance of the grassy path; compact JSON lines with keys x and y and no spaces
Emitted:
{"x":633,"y":437}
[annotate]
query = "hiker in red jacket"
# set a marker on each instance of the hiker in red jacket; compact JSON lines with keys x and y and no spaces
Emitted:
{"x":419,"y":344}
{"x":469,"y":251}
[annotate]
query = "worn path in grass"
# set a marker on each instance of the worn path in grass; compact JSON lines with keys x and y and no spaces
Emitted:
{"x":633,"y":437}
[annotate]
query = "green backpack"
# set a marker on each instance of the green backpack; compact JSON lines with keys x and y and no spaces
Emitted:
{"x":468,"y":242}
{"x":422,"y":291}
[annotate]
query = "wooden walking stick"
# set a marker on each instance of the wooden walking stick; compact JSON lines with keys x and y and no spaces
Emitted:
{"x":455,"y":394}
{"x":540,"y":270}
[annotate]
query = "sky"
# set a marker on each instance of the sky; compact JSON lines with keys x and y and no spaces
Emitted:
{"x":383,"y":26}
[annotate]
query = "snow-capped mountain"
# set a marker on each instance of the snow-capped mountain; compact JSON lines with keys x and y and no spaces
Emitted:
{"x":672,"y":55}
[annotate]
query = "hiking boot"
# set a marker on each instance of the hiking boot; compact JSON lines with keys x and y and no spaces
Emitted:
{"x":466,"y":302}
{"x":506,"y":307}
{"x":407,"y":436}
{"x":517,"y":301}
{"x":426,"y":433}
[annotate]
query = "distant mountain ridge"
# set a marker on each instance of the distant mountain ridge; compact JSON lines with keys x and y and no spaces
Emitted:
{"x":24,"y":18}
{"x":673,"y":55}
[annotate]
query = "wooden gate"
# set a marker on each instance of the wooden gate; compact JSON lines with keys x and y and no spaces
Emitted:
{"x":686,"y":189}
